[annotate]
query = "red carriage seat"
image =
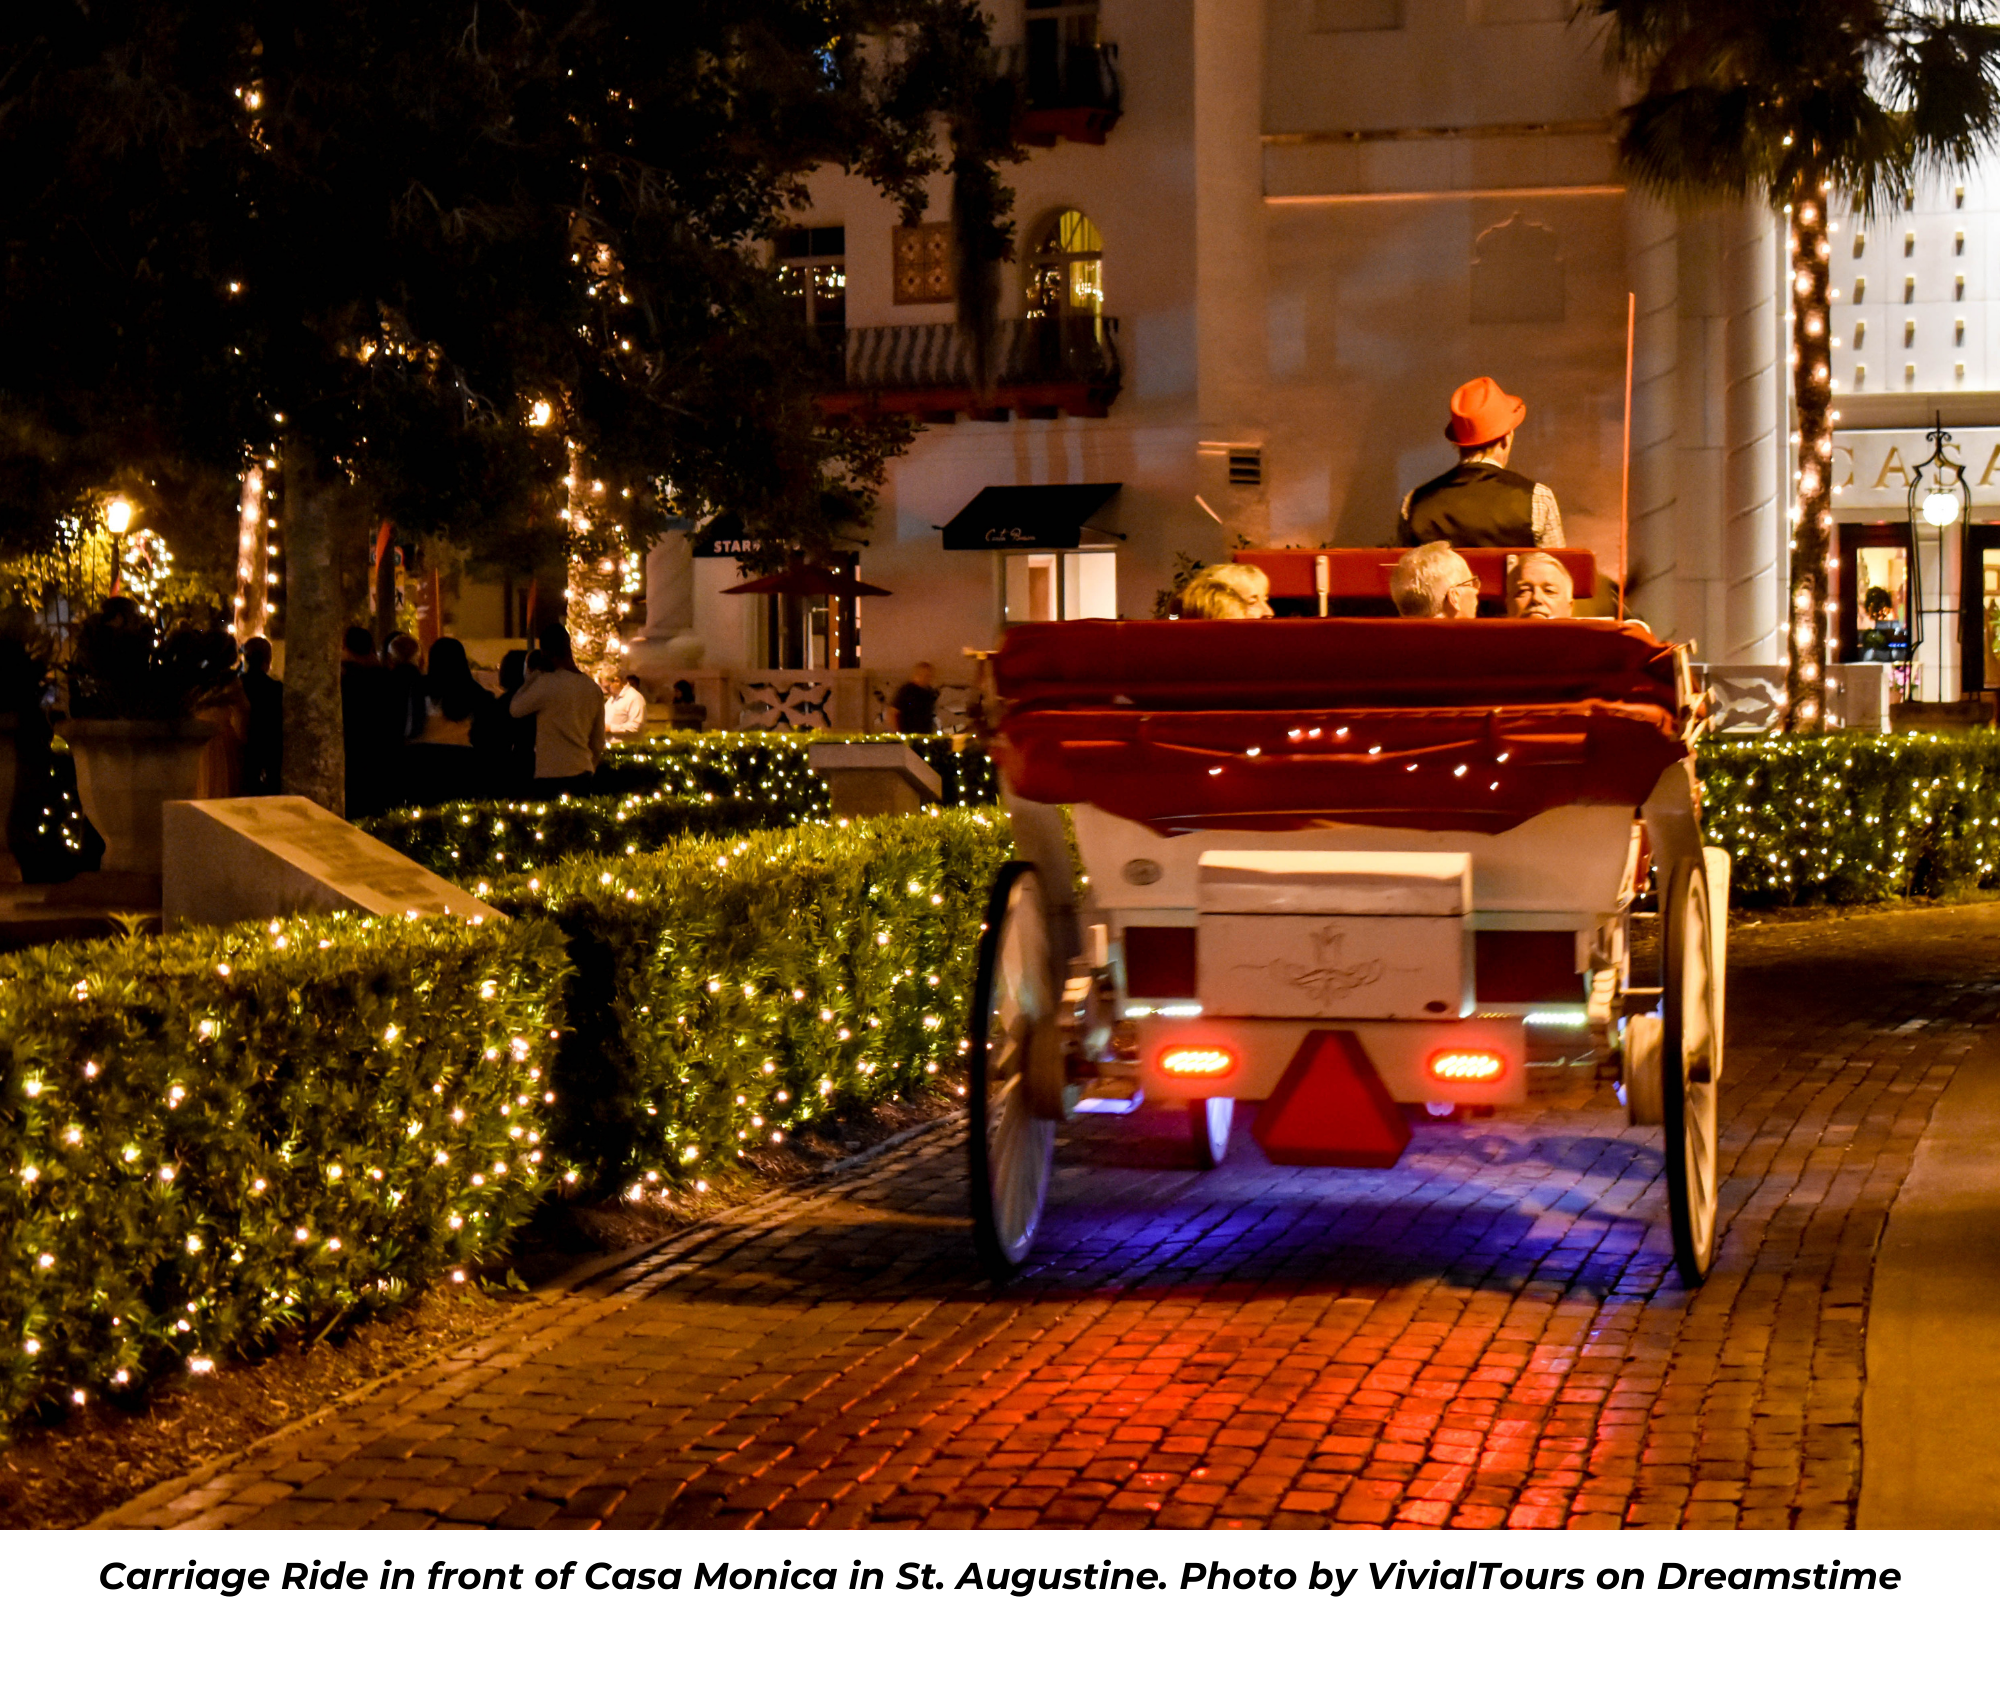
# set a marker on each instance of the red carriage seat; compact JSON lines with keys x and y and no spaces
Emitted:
{"x":1275,"y":725}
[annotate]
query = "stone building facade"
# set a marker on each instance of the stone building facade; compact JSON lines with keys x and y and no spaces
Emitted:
{"x":1261,"y":242}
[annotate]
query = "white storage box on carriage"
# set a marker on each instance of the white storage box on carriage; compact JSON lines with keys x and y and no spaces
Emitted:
{"x":1335,"y":934}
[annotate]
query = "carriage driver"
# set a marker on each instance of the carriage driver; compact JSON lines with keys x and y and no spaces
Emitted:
{"x":1479,"y":503}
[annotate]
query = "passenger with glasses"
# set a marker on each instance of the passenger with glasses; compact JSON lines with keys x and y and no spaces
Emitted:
{"x":1435,"y":582}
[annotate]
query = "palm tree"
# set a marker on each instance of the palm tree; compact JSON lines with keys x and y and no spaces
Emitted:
{"x":1798,"y":101}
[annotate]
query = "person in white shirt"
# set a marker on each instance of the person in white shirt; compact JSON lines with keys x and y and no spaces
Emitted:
{"x":625,"y":713}
{"x":569,"y":716}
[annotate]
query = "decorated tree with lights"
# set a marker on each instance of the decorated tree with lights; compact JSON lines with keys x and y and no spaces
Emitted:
{"x":439,"y":253}
{"x":1804,"y":103}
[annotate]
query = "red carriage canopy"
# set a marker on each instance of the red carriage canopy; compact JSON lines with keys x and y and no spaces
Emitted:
{"x":1274,"y":725}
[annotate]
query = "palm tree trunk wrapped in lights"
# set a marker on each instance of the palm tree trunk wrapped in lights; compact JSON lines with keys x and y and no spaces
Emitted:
{"x":1812,"y":508}
{"x":602,"y":562}
{"x":1806,"y":103}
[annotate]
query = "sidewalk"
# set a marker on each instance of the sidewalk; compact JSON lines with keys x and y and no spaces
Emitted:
{"x":1489,"y":1334}
{"x":1931,"y":1421}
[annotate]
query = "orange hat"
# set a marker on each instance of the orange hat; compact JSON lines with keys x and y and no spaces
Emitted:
{"x":1482,"y":412}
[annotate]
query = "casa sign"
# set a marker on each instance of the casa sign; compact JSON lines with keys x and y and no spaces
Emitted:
{"x":1875,"y":469}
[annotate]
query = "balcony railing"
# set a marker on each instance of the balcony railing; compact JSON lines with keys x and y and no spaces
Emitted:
{"x":1042,"y":368}
{"x":1070,"y":90}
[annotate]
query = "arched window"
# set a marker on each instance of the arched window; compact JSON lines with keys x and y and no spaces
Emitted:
{"x":1066,"y":269}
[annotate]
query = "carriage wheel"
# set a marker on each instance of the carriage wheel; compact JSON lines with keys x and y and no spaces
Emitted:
{"x":1014,"y":1089}
{"x":1208,"y":1129}
{"x":1691,"y":1055}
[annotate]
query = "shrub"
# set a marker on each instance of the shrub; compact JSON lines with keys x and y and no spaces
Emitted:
{"x":470,"y":842}
{"x":210,"y":1136}
{"x":765,"y":766}
{"x":650,"y":795}
{"x":968,"y":775}
{"x":1854,"y":817}
{"x":726,"y":993}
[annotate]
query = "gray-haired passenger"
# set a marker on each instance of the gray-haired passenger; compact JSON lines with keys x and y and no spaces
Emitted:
{"x":1539,"y":587}
{"x":1434,"y":582}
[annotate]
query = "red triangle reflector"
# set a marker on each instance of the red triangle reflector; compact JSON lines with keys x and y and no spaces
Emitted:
{"x":1332,"y":1110}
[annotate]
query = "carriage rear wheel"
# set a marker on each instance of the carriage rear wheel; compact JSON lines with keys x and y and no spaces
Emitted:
{"x":1690,"y":1067}
{"x":1014,"y":1090}
{"x":1208,"y":1129}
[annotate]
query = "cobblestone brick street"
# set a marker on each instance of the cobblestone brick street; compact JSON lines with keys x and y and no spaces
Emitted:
{"x":1489,"y":1334}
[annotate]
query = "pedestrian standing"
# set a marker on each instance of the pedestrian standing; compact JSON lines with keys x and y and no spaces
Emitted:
{"x":264,"y":745}
{"x":407,"y":679}
{"x":625,"y":713}
{"x":441,"y":763}
{"x":366,"y":719}
{"x":569,"y":716}
{"x":913,"y":709}
{"x":223,"y":703}
{"x":510,"y":757}
{"x":684,"y":713}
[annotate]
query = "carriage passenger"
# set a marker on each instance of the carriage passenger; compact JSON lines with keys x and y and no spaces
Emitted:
{"x":1539,"y":587}
{"x":1230,"y":590}
{"x":1435,"y":582}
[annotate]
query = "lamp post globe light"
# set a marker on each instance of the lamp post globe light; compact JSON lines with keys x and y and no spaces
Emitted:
{"x":1941,"y":508}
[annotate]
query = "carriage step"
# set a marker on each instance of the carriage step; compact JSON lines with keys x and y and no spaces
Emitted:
{"x":1331,"y":1110}
{"x":1116,"y":1096}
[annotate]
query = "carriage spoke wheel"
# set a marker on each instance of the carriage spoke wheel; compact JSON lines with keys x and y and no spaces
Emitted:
{"x":1691,"y":1053}
{"x":1208,"y":1129}
{"x":1015,"y":1085}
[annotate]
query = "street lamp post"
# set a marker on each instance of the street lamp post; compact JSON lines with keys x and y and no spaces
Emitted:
{"x":1940,"y":498}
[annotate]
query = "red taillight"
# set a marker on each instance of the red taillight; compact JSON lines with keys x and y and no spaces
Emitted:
{"x":1197,"y":1062}
{"x":1467,"y":1067}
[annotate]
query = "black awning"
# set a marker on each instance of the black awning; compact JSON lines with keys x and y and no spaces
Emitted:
{"x":726,"y":534}
{"x":1027,"y":516}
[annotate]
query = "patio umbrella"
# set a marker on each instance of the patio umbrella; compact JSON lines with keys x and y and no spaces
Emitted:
{"x":803,"y":579}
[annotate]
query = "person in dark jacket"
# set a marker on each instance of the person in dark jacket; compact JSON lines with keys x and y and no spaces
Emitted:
{"x":914,"y":707}
{"x":372,"y":714}
{"x":1481,"y":503}
{"x":264,"y":744}
{"x":512,"y":766}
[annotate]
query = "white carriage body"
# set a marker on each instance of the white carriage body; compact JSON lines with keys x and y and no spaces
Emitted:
{"x":1369,"y":930}
{"x":1340,"y":868}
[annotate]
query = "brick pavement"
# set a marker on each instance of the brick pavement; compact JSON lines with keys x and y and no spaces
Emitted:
{"x":1488,"y":1334}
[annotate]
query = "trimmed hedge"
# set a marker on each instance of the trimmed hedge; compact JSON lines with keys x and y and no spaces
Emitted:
{"x":969,"y":776}
{"x":1853,"y":817}
{"x":725,"y":993}
{"x":652,"y":794}
{"x":210,"y":1136}
{"x":472,"y":842}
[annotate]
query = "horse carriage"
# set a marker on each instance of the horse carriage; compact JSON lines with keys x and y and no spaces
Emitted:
{"x":1340,"y":868}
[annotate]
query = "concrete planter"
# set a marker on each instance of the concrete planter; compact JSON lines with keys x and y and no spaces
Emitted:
{"x":127,"y":771}
{"x":1963,"y":716}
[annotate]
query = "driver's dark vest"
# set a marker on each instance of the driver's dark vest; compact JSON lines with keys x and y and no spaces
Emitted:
{"x":1477,"y":505}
